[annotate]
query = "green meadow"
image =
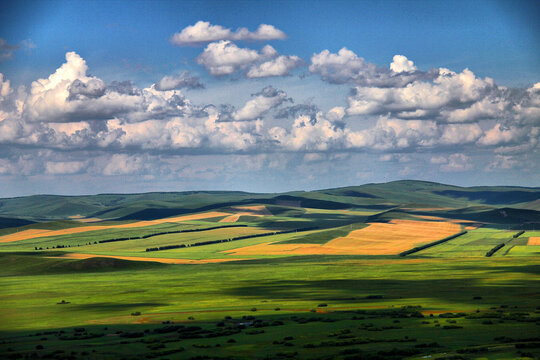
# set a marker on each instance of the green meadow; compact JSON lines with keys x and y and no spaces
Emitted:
{"x":81,"y":295}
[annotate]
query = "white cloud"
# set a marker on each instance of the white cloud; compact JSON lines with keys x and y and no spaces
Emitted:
{"x":176,"y":82}
{"x":314,"y":157}
{"x":347,"y":67}
{"x":64,"y":167}
{"x":123,"y":164}
{"x":458,"y":134}
{"x":204,"y":32}
{"x":267,"y":99}
{"x":457,"y":163}
{"x":502,"y":162}
{"x":438,"y":160}
{"x":321,"y":133}
{"x":279,"y":66}
{"x":455,"y":113}
{"x":499,"y":135}
{"x":224,"y":58}
{"x":401,"y":64}
{"x":5,"y":88}
{"x":448,"y":90}
{"x":70,"y":95}
{"x":486,"y":108}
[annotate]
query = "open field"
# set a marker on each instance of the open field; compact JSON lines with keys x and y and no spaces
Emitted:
{"x":30,"y":234}
{"x":315,"y":275}
{"x":534,"y":240}
{"x":326,"y":306}
{"x":375,"y":239}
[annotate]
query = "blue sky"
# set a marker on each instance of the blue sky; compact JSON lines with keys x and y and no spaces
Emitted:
{"x":313,"y":102}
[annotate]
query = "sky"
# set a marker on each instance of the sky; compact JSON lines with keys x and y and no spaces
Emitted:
{"x":139,"y":96}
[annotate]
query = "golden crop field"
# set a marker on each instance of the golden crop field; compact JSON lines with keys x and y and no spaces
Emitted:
{"x":376,"y":239}
{"x":35,"y":233}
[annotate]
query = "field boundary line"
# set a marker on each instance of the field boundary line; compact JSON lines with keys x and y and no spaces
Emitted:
{"x":498,"y":247}
{"x":423,"y":247}
{"x":211,"y":242}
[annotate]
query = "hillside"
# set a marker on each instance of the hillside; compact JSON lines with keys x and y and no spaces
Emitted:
{"x":406,"y":269}
{"x":147,"y":206}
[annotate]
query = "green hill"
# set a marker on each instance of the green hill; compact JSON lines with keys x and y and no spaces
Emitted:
{"x":405,"y":194}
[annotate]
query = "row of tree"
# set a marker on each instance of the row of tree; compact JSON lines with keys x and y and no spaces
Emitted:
{"x":169,"y":247}
{"x":419,"y":248}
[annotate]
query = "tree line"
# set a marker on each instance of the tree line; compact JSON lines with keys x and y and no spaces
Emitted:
{"x":210,"y":242}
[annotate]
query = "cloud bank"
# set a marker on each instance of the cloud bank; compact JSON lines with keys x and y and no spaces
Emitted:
{"x":73,"y":123}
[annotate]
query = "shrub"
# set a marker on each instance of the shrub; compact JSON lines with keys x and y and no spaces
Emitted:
{"x":450,"y":327}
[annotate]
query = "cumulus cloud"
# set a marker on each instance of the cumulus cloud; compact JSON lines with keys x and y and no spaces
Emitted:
{"x":453,"y":115}
{"x":501,"y":135}
{"x":204,"y":32}
{"x":123,"y":164}
{"x":5,"y":88}
{"x":401,"y":64}
{"x":449,"y":90}
{"x":321,"y":133}
{"x":294,"y":111}
{"x":262,"y":102}
{"x":71,"y":95}
{"x":279,"y":66}
{"x":457,"y":163}
{"x":177,"y":82}
{"x":459,"y":134}
{"x":225,"y":58}
{"x":347,"y":67}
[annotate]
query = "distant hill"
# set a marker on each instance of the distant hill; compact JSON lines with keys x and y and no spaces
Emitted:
{"x":406,"y":194}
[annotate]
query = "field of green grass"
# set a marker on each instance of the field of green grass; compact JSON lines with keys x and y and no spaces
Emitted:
{"x":474,"y":243}
{"x":447,"y":301}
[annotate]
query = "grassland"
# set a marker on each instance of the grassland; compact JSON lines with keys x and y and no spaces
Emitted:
{"x":68,"y":292}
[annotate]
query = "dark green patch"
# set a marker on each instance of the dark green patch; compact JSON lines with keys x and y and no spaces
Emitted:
{"x":322,"y":237}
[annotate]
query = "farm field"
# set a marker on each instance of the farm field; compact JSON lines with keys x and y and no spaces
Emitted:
{"x":368,"y":272}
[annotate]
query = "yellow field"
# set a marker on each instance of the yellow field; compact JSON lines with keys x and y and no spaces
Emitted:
{"x":535,"y":240}
{"x":376,"y":239}
{"x":34,"y":233}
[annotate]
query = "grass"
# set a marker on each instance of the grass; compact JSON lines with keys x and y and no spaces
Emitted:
{"x":209,"y":293}
{"x":474,"y":243}
{"x":322,"y":237}
{"x":273,"y":306}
